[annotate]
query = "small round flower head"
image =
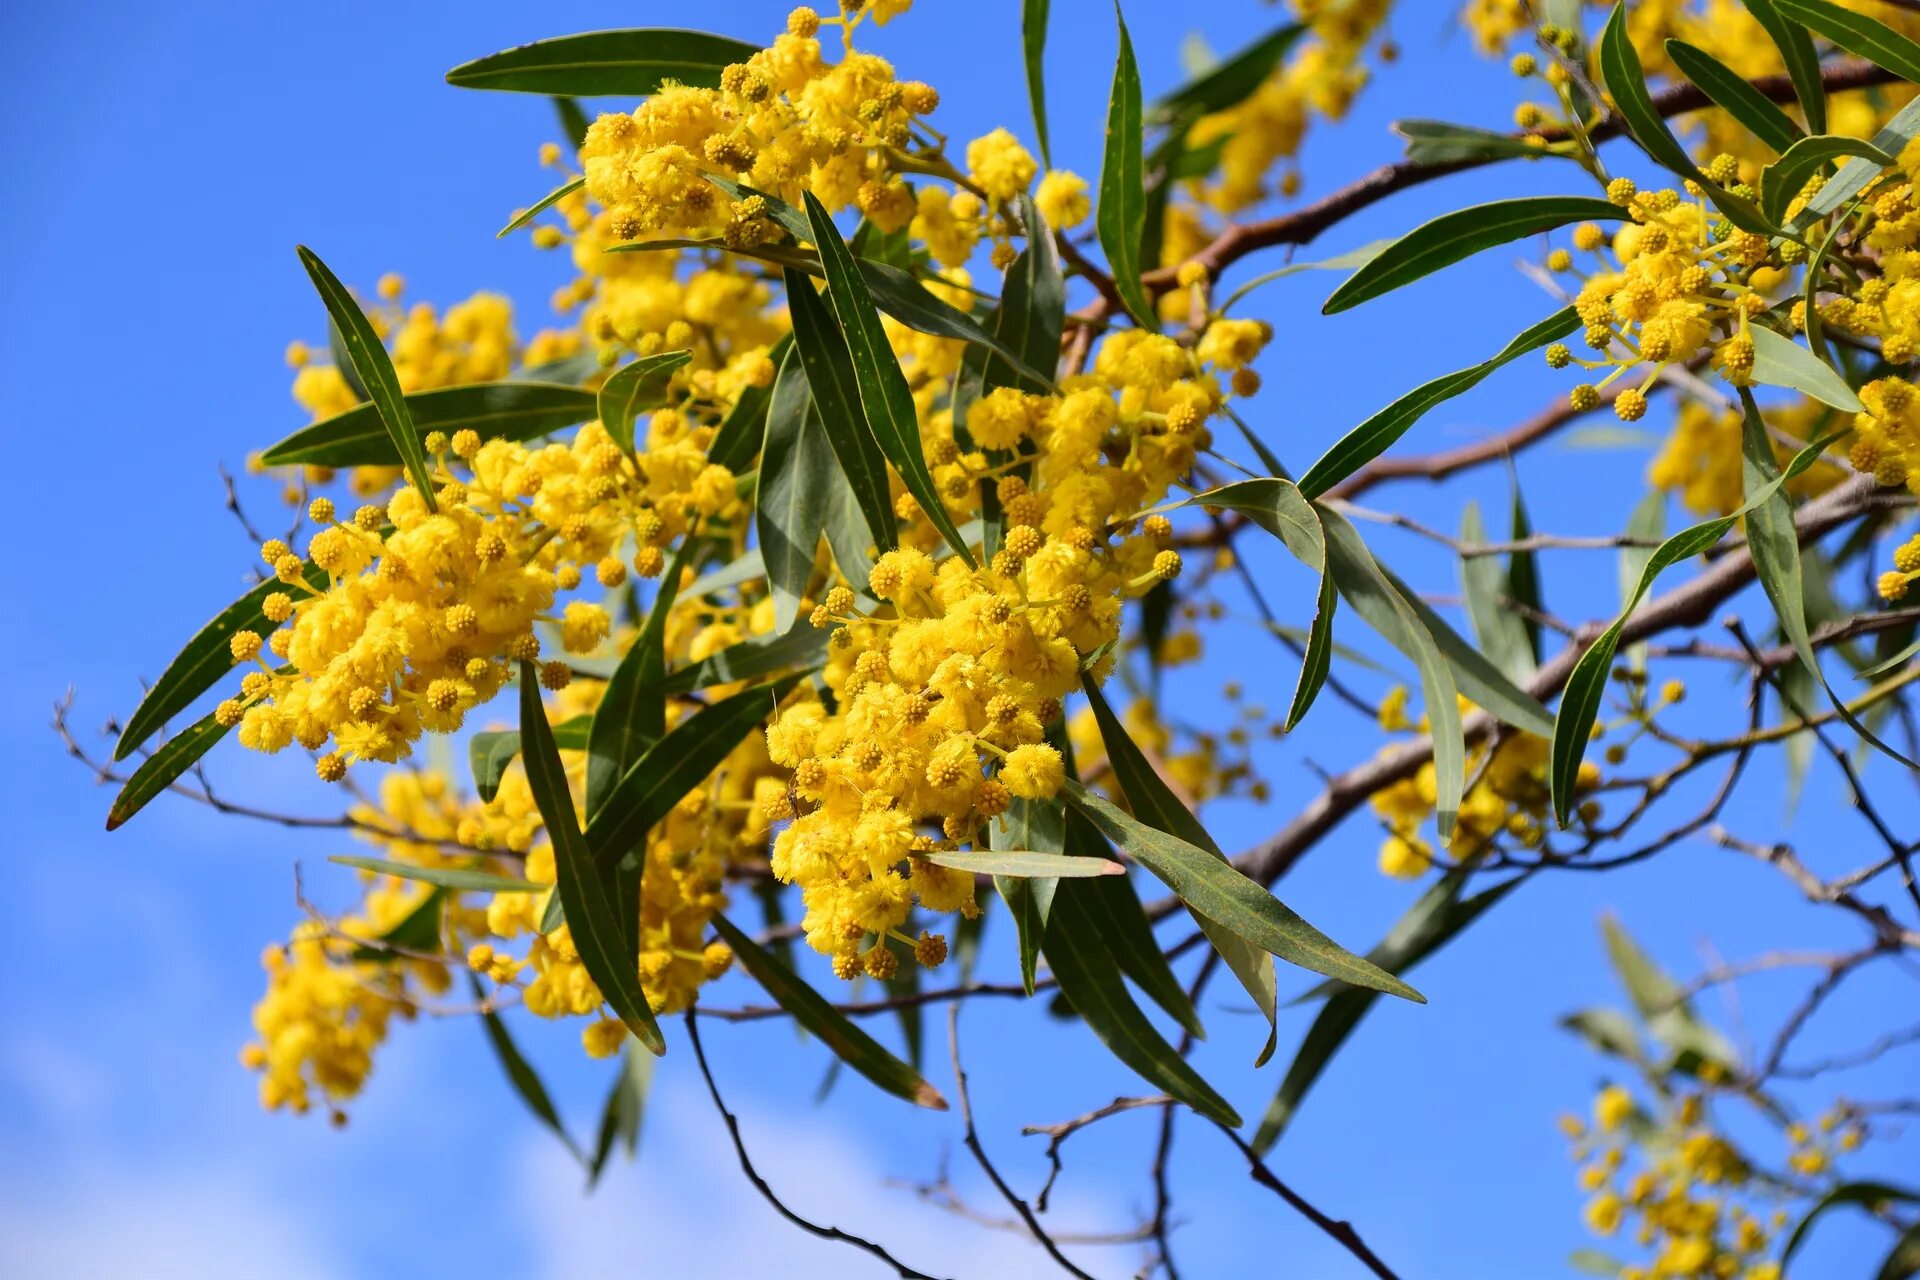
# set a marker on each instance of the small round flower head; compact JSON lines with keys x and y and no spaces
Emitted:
{"x":1166,"y":565}
{"x":466,"y":442}
{"x":1002,"y":256}
{"x":524,"y":647}
{"x":1524,"y":64}
{"x":1191,"y":272}
{"x":490,"y":547}
{"x":930,"y":950}
{"x":331,"y":767}
{"x":992,"y":798}
{"x":1245,"y":383}
{"x":320,"y":511}
{"x":1584,"y":397}
{"x":461,"y":620}
{"x":610,"y":572}
{"x":244,"y":645}
{"x":1630,"y":405}
{"x":566,"y":577}
{"x":369,"y":517}
{"x":1157,"y":528}
{"x":228,"y":713}
{"x":649,"y":562}
{"x":1033,"y":772}
{"x":1893,"y":586}
{"x":436,"y":442}
{"x":362,"y":701}
{"x":846,"y":965}
{"x":272,"y":550}
{"x":555,"y":675}
{"x":1024,"y":541}
{"x":880,"y":962}
{"x":277,"y":607}
{"x":1559,"y":260}
{"x":716,"y":959}
{"x":1559,"y":356}
{"x":443,"y":695}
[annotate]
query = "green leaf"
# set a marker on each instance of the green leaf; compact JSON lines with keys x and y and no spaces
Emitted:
{"x":849,"y":1043}
{"x":1594,"y":1262}
{"x":444,"y":877}
{"x":1501,"y":632}
{"x":1231,"y":82}
{"x":884,"y":395}
{"x":623,"y":64}
{"x":526,"y":1081}
{"x":1033,"y":43}
{"x":164,"y":767}
{"x":1215,"y":889}
{"x":491,"y":751}
{"x":418,"y":930}
{"x":1120,"y":218}
{"x":741,"y":431}
{"x":1523,"y":572}
{"x":1802,"y":61}
{"x":1455,"y":236}
{"x":496,"y":410}
{"x":675,"y":765}
{"x":830,"y":377}
{"x":1903,"y":1261}
{"x":1435,"y":142}
{"x":1386,"y":607}
{"x":804,"y":646}
{"x":636,"y":387}
{"x":541,"y":205}
{"x":625,"y":1109}
{"x":794,"y":487}
{"x":1858,"y":34}
{"x":573,"y":121}
{"x":1855,"y":175}
{"x":632,"y":712}
{"x":1036,"y":825}
{"x":1784,"y":178}
{"x":593,"y":918}
{"x":1032,"y":311}
{"x":1647,"y":522}
{"x":1586,"y":684}
{"x":1089,"y":978}
{"x":375,"y":369}
{"x":1626,"y":84}
{"x":203,"y":662}
{"x":1433,"y":921}
{"x":1153,"y":802}
{"x":1026,"y":863}
{"x":1782,"y":362}
{"x":1731,"y":92}
{"x":1607,"y":1030}
{"x":1662,"y":1005}
{"x":1348,"y":261}
{"x":1377,"y":434}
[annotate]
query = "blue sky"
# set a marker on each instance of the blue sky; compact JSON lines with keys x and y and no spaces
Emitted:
{"x":166,"y":161}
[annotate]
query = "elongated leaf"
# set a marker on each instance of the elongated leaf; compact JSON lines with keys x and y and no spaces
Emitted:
{"x":835,"y":387}
{"x":1036,"y":825}
{"x":490,"y":752}
{"x":1858,"y":34}
{"x":1213,"y":888}
{"x":632,"y":390}
{"x":626,"y":64}
{"x":1455,"y":236}
{"x":1120,"y":217}
{"x":1090,"y":980}
{"x":1586,"y":684}
{"x":804,"y":647}
{"x":1032,"y":311}
{"x":1782,"y":362}
{"x":1784,"y":178}
{"x":1662,"y":1003}
{"x":573,"y":121}
{"x":1226,"y":84}
{"x":205,"y":659}
{"x":1866,"y":1195}
{"x":1033,"y":43}
{"x":1437,"y":142}
{"x":1626,"y":84}
{"x":1114,"y":908}
{"x":632,"y":713}
{"x":526,"y":1081}
{"x":444,"y":877}
{"x":1731,"y":92}
{"x":1348,"y":261}
{"x":1153,"y":802}
{"x":1377,"y":434}
{"x":1026,"y":864}
{"x":675,"y":765}
{"x":1903,"y":1260}
{"x":418,"y":930}
{"x":1435,"y":920}
{"x":496,"y":410}
{"x":593,"y":918}
{"x":375,"y":369}
{"x":795,"y":484}
{"x":1523,"y":572}
{"x":741,"y":431}
{"x":623,"y":1112}
{"x":1646,"y":523}
{"x":849,"y":1043}
{"x":1802,"y":61}
{"x":884,"y":395}
{"x":1856,"y":175}
{"x":1501,"y":633}
{"x":541,"y":205}
{"x":163,"y":768}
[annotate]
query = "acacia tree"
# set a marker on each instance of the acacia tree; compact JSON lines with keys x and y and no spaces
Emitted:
{"x":831,"y":549}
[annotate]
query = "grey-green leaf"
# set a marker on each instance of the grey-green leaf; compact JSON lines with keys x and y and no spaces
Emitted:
{"x":1782,"y":362}
{"x":1033,"y":43}
{"x":794,"y":487}
{"x":1802,"y":61}
{"x":526,"y":1081}
{"x":1730,"y":91}
{"x":627,"y":63}
{"x":541,"y":205}
{"x":636,"y":387}
{"x":836,"y":393}
{"x":163,"y":768}
{"x":1871,"y":39}
{"x":1121,"y":216}
{"x":444,"y":877}
{"x":1026,"y":863}
{"x":1783,"y":179}
{"x":496,"y":410}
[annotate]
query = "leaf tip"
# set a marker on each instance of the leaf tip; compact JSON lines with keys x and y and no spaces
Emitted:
{"x":925,"y":1095}
{"x":115,"y":818}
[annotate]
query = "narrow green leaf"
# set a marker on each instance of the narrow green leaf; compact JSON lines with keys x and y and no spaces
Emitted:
{"x":623,"y":1112}
{"x":795,"y":483}
{"x":444,"y":877}
{"x":741,"y":431}
{"x":636,"y":387}
{"x":675,"y":765}
{"x":1089,"y":978}
{"x":831,"y":378}
{"x":849,"y":1043}
{"x":1455,"y":236}
{"x":541,"y":205}
{"x":513,"y":410}
{"x":491,"y":751}
{"x":884,"y":395}
{"x":1228,"y":83}
{"x":804,"y":646}
{"x":1648,"y":523}
{"x":1730,"y":91}
{"x":1033,"y":42}
{"x":1607,"y":1030}
{"x":1523,"y":570}
{"x":418,"y":930}
{"x":1865,"y":1195}
{"x":632,"y":712}
{"x":593,"y":918}
{"x":1026,"y":864}
{"x":1377,"y":434}
{"x":1032,"y":311}
{"x":1435,"y":142}
{"x":526,"y":1081}
{"x":201,"y":664}
{"x":1856,"y":175}
{"x":573,"y":121}
{"x":624,"y":64}
{"x":1802,"y":61}
{"x":1434,"y":920}
{"x":375,"y":369}
{"x":1783,"y":179}
{"x":1782,"y":362}
{"x":1500,"y":631}
{"x":1120,"y":217}
{"x":163,"y":768}
{"x":1626,"y":84}
{"x":1351,"y":260}
{"x":1586,"y":684}
{"x":1858,"y":34}
{"x":1036,"y":825}
{"x":1663,"y":1006}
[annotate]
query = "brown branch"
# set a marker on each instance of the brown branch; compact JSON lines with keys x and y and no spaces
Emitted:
{"x":1057,"y":1134}
{"x":1341,"y":1231}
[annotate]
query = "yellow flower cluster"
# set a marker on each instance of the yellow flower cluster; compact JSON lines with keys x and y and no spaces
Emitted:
{"x":1700,"y":458}
{"x":1680,"y":1189}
